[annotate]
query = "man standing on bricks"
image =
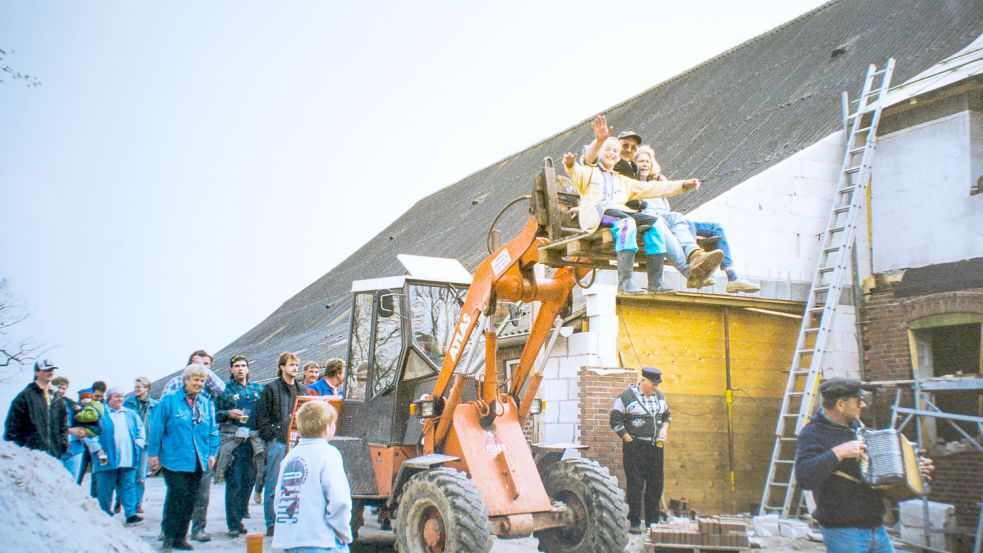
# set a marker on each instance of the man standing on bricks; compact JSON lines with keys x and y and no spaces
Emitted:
{"x":641,"y":418}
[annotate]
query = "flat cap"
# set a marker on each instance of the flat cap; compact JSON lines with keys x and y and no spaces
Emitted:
{"x":836,"y":388}
{"x":653,"y":374}
{"x":630,"y":134}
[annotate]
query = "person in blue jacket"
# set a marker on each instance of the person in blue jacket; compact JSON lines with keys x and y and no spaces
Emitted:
{"x":145,"y":406}
{"x":183,"y":441}
{"x":120,"y":441}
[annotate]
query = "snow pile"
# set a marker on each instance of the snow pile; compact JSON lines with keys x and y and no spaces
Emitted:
{"x":43,"y":509}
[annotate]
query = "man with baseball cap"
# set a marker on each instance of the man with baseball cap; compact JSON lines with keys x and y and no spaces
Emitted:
{"x":37,"y":418}
{"x":641,"y":418}
{"x":630,"y":141}
{"x":827,"y":459}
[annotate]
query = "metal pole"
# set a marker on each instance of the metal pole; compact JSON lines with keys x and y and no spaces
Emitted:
{"x":729,"y":398}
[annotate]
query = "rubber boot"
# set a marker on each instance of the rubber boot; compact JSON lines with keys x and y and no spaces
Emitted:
{"x":655,"y":265}
{"x":626,"y":268}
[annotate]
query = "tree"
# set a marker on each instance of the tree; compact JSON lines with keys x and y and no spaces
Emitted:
{"x":14,"y":353}
{"x":8,"y":73}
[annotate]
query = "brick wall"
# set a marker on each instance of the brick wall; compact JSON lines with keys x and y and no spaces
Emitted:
{"x":598,"y":390}
{"x":958,"y":477}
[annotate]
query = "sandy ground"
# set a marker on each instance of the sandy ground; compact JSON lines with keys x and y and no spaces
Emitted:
{"x":375,"y":540}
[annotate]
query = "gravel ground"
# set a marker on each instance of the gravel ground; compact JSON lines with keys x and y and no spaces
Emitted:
{"x":375,"y":540}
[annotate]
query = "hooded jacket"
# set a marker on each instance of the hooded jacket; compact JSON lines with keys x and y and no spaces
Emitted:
{"x":38,"y":423}
{"x":840,"y":503}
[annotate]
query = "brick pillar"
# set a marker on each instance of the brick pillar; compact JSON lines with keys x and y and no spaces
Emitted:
{"x":598,"y":390}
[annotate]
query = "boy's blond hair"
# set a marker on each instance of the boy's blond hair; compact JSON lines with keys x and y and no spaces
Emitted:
{"x":314,"y":417}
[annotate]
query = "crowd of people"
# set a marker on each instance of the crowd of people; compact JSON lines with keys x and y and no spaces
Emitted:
{"x":201,"y":429}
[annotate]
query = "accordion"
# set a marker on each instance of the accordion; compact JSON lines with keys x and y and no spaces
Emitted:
{"x":891,"y":464}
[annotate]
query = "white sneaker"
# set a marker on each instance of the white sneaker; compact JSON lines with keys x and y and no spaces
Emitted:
{"x":742,"y":285}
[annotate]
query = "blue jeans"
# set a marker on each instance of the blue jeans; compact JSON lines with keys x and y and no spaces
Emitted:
{"x":338,"y":549}
{"x":275,"y":450}
{"x":142,"y":469}
{"x":239,"y":480}
{"x":123,"y":482}
{"x":857,"y":540}
{"x":700,"y":228}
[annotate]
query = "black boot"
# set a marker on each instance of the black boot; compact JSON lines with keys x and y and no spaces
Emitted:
{"x":655,"y":264}
{"x":626,"y":268}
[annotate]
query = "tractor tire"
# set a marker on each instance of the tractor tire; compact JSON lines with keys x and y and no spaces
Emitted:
{"x":440,"y":511}
{"x":600,"y":513}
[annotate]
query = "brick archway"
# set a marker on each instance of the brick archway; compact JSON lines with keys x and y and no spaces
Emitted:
{"x":963,"y":301}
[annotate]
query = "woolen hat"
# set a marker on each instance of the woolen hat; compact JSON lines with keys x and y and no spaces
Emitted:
{"x":652,"y":374}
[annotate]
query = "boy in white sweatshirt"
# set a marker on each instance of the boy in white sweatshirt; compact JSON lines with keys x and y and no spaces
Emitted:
{"x":313,"y":505}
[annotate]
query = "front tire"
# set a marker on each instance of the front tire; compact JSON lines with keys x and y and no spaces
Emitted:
{"x":600,"y":512}
{"x":440,"y":511}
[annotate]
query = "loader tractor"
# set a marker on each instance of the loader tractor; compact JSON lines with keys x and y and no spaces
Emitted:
{"x":429,"y":430}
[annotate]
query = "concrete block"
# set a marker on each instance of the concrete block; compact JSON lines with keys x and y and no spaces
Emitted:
{"x":555,"y":390}
{"x":568,"y":411}
{"x":582,"y":343}
{"x":552,"y":369}
{"x":559,"y":432}
{"x":793,"y":528}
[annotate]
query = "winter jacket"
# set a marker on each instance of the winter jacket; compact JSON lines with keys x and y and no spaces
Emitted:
{"x":146,"y":409}
{"x":313,"y":504}
{"x":238,"y":396}
{"x":38,"y":423}
{"x":181,"y":436}
{"x":600,"y":190}
{"x":840,"y":502}
{"x":643,"y":421}
{"x":274,"y":408}
{"x":322,"y":388}
{"x":107,"y":440}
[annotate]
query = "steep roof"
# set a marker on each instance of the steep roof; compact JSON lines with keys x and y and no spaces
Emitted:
{"x":724,"y":120}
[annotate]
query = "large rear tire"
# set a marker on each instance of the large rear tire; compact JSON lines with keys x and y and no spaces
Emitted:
{"x":600,"y":514}
{"x":440,"y":511}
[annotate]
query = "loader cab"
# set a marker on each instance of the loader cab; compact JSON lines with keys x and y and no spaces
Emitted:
{"x":400,"y":330}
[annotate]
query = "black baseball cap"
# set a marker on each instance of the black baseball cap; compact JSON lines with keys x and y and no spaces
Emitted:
{"x":652,"y":374}
{"x":838,"y":388}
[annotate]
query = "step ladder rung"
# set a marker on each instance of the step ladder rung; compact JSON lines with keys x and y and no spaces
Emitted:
{"x":780,"y":484}
{"x":847,"y":189}
{"x":844,"y":209}
{"x":835,"y":229}
{"x":858,"y":150}
{"x":827,"y":269}
{"x":854,"y":169}
{"x":785,"y":461}
{"x":865,"y":129}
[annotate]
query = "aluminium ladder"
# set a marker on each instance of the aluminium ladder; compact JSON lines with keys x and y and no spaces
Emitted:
{"x":836,"y":244}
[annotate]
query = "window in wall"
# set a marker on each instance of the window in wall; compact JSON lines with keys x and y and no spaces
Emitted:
{"x":950,"y":344}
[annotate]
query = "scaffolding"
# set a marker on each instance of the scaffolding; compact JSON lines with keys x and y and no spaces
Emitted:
{"x":924,"y":408}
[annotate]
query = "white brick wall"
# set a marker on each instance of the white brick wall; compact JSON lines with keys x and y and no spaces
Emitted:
{"x":922,"y":211}
{"x":773,"y":219}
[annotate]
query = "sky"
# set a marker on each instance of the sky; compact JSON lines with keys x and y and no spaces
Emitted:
{"x":186,"y":167}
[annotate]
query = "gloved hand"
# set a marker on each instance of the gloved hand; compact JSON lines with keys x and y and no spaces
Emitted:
{"x":637,"y":205}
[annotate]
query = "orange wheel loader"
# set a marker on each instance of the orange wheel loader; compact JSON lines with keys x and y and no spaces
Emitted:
{"x":430,"y":432}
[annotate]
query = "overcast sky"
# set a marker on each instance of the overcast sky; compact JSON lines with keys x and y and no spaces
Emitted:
{"x":185,"y":167}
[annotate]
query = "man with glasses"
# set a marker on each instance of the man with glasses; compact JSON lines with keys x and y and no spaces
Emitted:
{"x":827,"y":459}
{"x":37,"y":418}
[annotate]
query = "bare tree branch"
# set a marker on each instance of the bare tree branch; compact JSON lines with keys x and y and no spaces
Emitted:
{"x":14,"y":354}
{"x":8,"y":73}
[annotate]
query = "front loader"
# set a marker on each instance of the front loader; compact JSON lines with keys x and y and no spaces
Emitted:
{"x":431,"y":433}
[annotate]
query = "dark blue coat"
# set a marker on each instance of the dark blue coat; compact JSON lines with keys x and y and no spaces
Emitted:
{"x":840,"y":503}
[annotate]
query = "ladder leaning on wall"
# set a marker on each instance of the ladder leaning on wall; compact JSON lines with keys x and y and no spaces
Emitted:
{"x":799,"y":401}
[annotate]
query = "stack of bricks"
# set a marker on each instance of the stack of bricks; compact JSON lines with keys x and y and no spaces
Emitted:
{"x":716,"y":531}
